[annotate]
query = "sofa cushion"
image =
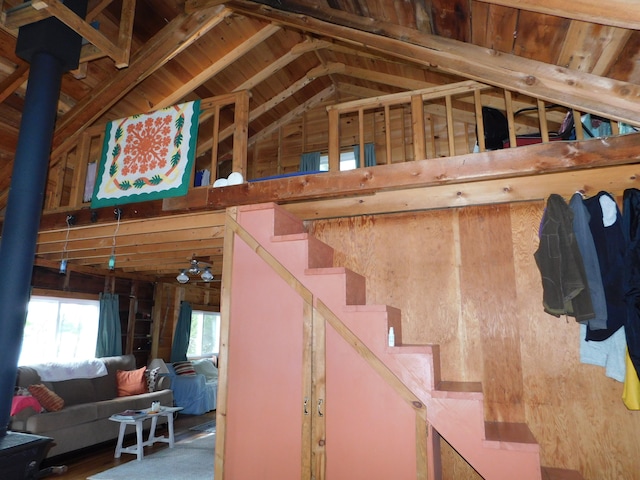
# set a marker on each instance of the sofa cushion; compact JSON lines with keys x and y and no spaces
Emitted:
{"x":152,"y":375}
{"x":106,"y":387}
{"x":206,"y":367}
{"x":48,"y":399}
{"x":65,"y":418}
{"x":28,"y":376}
{"x":76,"y":391}
{"x":131,"y":382}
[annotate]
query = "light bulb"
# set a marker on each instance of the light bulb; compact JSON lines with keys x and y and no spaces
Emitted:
{"x":112,"y":261}
{"x":63,"y":267}
{"x":207,"y":276}
{"x":182,"y":277}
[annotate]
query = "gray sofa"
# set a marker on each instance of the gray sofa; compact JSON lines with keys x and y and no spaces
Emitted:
{"x":88,"y":404}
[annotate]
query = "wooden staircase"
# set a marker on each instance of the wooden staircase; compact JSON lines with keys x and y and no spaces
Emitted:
{"x":455,"y":410}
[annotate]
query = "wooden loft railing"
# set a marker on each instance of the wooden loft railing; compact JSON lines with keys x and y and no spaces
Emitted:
{"x":429,"y":140}
{"x":69,"y":172}
{"x":435,"y":122}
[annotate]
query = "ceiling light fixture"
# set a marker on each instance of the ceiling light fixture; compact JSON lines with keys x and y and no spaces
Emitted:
{"x":183,"y":277}
{"x":112,"y":258}
{"x":194,"y":269}
{"x":63,"y":259}
{"x":207,"y":276}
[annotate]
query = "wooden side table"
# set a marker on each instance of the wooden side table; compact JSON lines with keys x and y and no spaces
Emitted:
{"x":138,"y":448}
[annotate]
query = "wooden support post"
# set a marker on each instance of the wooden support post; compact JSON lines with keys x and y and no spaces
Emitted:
{"x":510,"y":121}
{"x":334,"y":141}
{"x":387,"y":133}
{"x":577,"y":121}
{"x":477,"y":100}
{"x":241,"y":133}
{"x":417,"y":127}
{"x":451,"y":135}
{"x":215,"y":142}
{"x":361,"y":136}
{"x":542,"y":117}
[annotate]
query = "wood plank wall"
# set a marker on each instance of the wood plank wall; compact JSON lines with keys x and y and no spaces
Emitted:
{"x":466,"y":279}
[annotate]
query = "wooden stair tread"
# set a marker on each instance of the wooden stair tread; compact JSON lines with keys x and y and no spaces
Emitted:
{"x":509,"y":432}
{"x":460,"y":390}
{"x":549,"y":473}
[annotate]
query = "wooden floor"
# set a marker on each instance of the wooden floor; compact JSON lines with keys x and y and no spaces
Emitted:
{"x":85,"y":463}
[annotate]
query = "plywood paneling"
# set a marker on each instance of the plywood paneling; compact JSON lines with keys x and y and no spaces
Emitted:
{"x":466,"y":279}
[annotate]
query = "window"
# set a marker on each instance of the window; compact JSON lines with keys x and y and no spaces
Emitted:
{"x":59,"y":329}
{"x":205,"y":334}
{"x":347,"y":161}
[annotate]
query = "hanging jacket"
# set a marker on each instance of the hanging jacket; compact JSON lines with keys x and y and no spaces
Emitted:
{"x":608,"y":238}
{"x":631,"y":228}
{"x":581,"y":219}
{"x":564,"y":282}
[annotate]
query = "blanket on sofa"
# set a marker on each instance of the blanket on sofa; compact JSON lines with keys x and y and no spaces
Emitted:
{"x":57,"y":372}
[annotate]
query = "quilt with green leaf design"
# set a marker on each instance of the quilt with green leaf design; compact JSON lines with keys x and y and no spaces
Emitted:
{"x":147,"y":156}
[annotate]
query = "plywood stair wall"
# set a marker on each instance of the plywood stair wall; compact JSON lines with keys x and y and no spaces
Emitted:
{"x":454,"y":410}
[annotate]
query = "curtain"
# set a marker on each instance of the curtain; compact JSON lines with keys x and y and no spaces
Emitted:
{"x":183,"y":332}
{"x":369,"y":155}
{"x":109,"y":334}
{"x":310,"y":162}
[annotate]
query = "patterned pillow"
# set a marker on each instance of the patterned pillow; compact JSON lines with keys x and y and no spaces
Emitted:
{"x":131,"y":382}
{"x":152,"y":378}
{"x":49,"y":400}
{"x":184,"y":368}
{"x":22,"y":392}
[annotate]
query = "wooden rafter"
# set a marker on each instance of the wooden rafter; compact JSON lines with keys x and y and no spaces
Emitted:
{"x":36,"y":10}
{"x":13,"y":81}
{"x":610,"y":98}
{"x":169,"y":42}
{"x":619,"y":13}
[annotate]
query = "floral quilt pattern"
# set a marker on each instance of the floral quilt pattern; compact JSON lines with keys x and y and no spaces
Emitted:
{"x":147,"y":156}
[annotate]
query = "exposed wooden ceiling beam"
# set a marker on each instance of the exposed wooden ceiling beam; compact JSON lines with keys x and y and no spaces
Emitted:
{"x":13,"y":81}
{"x":33,"y":11}
{"x":619,"y":13}
{"x":219,"y":65}
{"x":586,"y":92}
{"x":169,"y":42}
{"x":299,"y":110}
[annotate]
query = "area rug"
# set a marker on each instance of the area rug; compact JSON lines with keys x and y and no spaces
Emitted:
{"x":209,"y":427}
{"x":187,"y":460}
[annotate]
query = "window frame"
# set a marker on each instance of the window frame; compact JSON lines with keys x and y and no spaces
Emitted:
{"x":205,"y":309}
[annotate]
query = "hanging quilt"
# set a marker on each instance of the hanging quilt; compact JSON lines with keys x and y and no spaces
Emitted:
{"x":147,"y":157}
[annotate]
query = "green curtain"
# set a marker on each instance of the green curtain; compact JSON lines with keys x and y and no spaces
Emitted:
{"x":183,"y":332}
{"x":109,"y":341}
{"x":369,"y":155}
{"x":310,"y":162}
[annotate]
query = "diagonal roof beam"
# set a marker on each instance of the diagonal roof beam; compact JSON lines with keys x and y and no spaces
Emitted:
{"x":181,"y":32}
{"x":618,"y":13}
{"x":299,"y":110}
{"x":219,"y":65}
{"x":13,"y":81}
{"x":585,"y":92}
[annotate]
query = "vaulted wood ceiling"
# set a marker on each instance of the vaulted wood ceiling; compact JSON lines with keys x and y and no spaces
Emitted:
{"x":293,"y":54}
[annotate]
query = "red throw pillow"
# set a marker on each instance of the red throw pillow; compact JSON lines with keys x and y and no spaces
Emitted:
{"x":131,"y":382}
{"x":49,"y":400}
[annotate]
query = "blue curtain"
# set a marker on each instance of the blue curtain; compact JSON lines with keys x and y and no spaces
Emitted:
{"x":109,"y":334}
{"x":183,"y":332}
{"x":310,"y":162}
{"x":369,"y":155}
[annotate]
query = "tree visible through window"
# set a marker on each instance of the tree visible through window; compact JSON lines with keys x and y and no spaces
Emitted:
{"x":59,"y":329}
{"x":205,"y":334}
